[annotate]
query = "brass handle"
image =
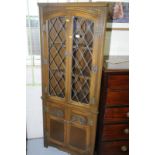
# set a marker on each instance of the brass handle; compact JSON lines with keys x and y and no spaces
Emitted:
{"x":127,"y":114}
{"x":124,"y":148}
{"x":126,"y":131}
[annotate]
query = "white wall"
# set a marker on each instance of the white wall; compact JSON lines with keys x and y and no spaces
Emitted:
{"x":34,"y":112}
{"x":34,"y":103}
{"x":117,"y":43}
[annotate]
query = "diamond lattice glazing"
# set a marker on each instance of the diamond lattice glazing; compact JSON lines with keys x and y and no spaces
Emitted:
{"x":83,"y":32}
{"x":57,"y":47}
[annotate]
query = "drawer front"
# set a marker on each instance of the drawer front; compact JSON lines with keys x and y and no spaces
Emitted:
{"x":116,"y":114}
{"x":117,"y":97}
{"x":118,"y":82}
{"x":115,"y":148}
{"x":115,"y":131}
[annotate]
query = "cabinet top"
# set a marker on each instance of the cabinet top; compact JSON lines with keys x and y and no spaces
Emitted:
{"x":84,"y":4}
{"x":116,"y":64}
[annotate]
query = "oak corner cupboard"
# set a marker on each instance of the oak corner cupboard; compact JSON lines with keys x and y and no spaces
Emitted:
{"x":72,"y":38}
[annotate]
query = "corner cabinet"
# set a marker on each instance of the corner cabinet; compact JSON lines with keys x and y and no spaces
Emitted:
{"x":72,"y":38}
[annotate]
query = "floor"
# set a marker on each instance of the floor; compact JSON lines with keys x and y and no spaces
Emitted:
{"x":36,"y":147}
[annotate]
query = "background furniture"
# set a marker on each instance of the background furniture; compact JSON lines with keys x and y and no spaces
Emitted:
{"x":72,"y":37}
{"x":113,"y":127}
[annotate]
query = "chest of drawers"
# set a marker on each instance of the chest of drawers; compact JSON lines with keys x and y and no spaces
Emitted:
{"x":113,"y":121}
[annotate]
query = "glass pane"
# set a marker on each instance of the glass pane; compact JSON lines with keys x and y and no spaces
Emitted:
{"x":57,"y":47}
{"x":57,"y":130}
{"x":83,"y":33}
{"x":78,"y":138}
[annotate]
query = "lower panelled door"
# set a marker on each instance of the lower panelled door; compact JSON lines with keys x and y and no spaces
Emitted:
{"x":56,"y":127}
{"x":56,"y":130}
{"x":73,"y":131}
{"x":77,"y":137}
{"x":78,"y":133}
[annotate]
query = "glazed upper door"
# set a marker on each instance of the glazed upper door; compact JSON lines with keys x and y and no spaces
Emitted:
{"x":83,"y":63}
{"x":54,"y":57}
{"x":56,"y":49}
{"x":79,"y":131}
{"x":71,"y":51}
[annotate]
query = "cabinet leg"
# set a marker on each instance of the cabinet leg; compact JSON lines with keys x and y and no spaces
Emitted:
{"x":45,"y":143}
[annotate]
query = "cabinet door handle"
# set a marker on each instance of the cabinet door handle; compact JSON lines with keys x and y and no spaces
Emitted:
{"x":126,"y":131}
{"x":124,"y":148}
{"x":127,"y":114}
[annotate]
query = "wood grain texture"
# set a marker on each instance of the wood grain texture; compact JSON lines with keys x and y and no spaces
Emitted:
{"x":117,"y":29}
{"x":84,"y":4}
{"x":117,"y":97}
{"x":116,"y":114}
{"x":115,"y":131}
{"x":115,"y":148}
{"x":118,"y":82}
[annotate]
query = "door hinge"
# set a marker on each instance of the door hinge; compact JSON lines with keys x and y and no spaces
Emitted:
{"x":90,"y":122}
{"x":44,"y":61}
{"x":94,"y":68}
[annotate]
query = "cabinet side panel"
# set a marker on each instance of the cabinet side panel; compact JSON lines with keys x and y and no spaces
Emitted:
{"x":42,"y":77}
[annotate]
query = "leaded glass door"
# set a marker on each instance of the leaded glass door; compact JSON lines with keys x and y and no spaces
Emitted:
{"x":56,"y":57}
{"x":71,"y":59}
{"x":82,"y":60}
{"x":78,"y":131}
